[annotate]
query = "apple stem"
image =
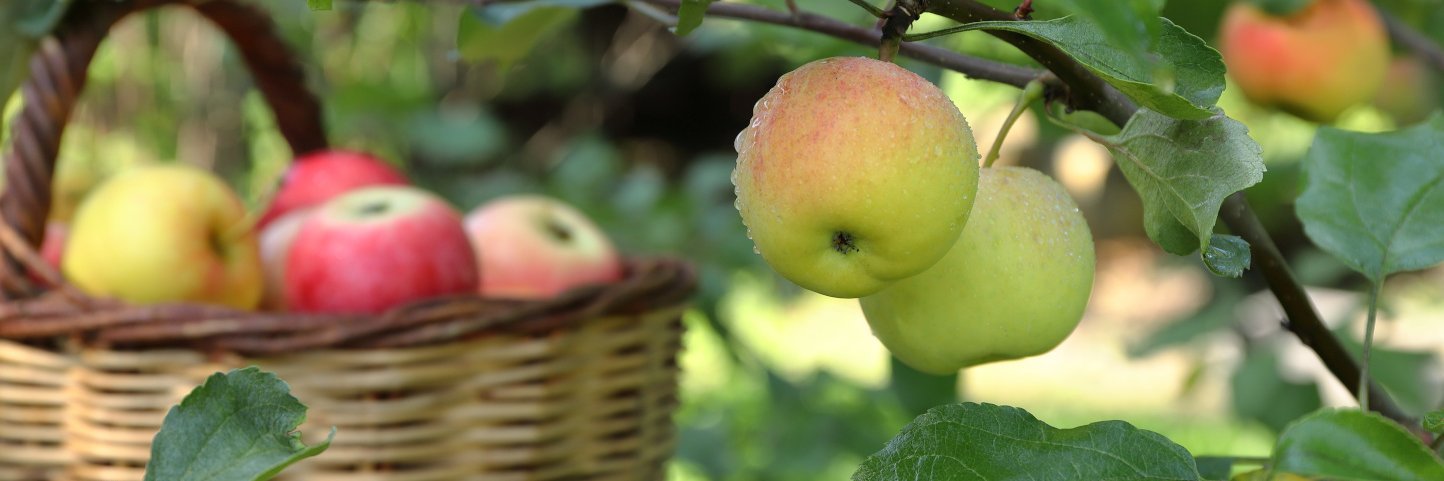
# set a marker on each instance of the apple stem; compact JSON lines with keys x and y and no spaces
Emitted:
{"x":1368,"y":344}
{"x":1031,"y":93}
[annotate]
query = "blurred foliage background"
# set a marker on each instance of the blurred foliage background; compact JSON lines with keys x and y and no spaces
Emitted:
{"x":602,"y":106}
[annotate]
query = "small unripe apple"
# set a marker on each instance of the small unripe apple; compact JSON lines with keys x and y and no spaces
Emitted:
{"x":1314,"y":63}
{"x":854,"y":173}
{"x":1014,"y":285}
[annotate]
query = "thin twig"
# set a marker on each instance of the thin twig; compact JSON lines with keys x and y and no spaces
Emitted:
{"x":971,"y":66}
{"x":1402,"y":34}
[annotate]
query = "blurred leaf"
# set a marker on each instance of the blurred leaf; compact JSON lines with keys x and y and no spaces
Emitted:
{"x":1227,"y":256}
{"x":1214,"y":468}
{"x":587,"y":170}
{"x":985,"y":442}
{"x":689,"y":15}
{"x":238,"y":426}
{"x":1434,"y":422}
{"x":319,"y":4}
{"x":1281,"y":8}
{"x":1188,"y":93}
{"x":1260,"y":394}
{"x":470,"y":138}
{"x":919,"y":391}
{"x":1218,"y":313}
{"x":1352,"y":445}
{"x":1377,"y":200}
{"x":499,"y":13}
{"x":22,"y":24}
{"x":1404,"y":374}
{"x":1183,"y":169}
{"x":484,"y":36}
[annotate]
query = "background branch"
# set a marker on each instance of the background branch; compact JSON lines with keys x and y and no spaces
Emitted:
{"x":1423,"y":46}
{"x":1087,"y":91}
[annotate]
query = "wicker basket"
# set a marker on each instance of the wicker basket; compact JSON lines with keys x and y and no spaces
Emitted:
{"x":461,"y":388}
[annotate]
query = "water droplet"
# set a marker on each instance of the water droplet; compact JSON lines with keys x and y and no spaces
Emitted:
{"x":738,"y":144}
{"x":755,"y":250}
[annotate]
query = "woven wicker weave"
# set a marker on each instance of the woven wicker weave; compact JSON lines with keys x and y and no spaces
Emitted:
{"x":461,"y":388}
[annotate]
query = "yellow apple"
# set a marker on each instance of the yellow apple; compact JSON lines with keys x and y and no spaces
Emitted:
{"x":1314,"y":63}
{"x":854,"y":173}
{"x":1014,"y":285}
{"x":165,"y":233}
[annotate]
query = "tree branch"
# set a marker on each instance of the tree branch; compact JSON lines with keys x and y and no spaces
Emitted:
{"x":1087,"y":91}
{"x":971,"y":66}
{"x":1402,"y":34}
{"x":1302,"y":319}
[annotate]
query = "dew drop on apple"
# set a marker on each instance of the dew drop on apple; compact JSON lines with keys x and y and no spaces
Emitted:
{"x":739,"y":143}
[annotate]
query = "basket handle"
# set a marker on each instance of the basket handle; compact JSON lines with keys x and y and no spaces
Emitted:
{"x":58,"y":75}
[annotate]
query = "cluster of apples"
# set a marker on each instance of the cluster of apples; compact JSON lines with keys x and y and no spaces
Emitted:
{"x":344,"y":233}
{"x":857,"y":178}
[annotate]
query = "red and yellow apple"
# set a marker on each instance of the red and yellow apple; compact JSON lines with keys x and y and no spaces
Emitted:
{"x":535,"y":247}
{"x":1314,"y":63}
{"x":164,"y":233}
{"x":317,"y":177}
{"x":854,"y":173}
{"x":376,"y":248}
{"x":1014,"y":285}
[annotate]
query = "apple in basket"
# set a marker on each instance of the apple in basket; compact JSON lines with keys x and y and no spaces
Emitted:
{"x":375,"y":248}
{"x":535,"y":247}
{"x":164,"y":233}
{"x":319,"y":176}
{"x":276,"y":239}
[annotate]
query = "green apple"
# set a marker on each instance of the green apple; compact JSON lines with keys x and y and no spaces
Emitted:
{"x":1013,"y":286}
{"x":854,"y":173}
{"x":1313,"y":63}
{"x":165,"y":233}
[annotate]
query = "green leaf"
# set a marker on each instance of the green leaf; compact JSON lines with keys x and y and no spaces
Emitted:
{"x":1434,"y":422}
{"x":1261,"y":394}
{"x":319,"y":4}
{"x":985,"y":442}
{"x":1376,"y":201}
{"x":1405,"y":374}
{"x":1227,"y":255}
{"x":504,"y":34}
{"x":1183,"y":169}
{"x":1352,"y":445}
{"x":918,"y":391}
{"x":689,"y":15}
{"x":1130,"y":26}
{"x":1214,"y":468}
{"x":22,"y":24}
{"x":238,"y":426}
{"x":1281,"y":8}
{"x":1194,"y":71}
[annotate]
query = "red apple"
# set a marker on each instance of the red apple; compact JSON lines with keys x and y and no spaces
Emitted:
{"x":317,"y":177}
{"x":276,"y":240}
{"x":375,"y":248}
{"x":535,"y":247}
{"x":56,"y":233}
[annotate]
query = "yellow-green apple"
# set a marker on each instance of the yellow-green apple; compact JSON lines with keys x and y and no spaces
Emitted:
{"x":317,"y":177}
{"x":1410,"y":92}
{"x":1314,"y":63}
{"x":535,"y":247}
{"x":854,"y":173}
{"x":1014,"y":285}
{"x":375,"y":248}
{"x":276,"y":239}
{"x":165,"y":233}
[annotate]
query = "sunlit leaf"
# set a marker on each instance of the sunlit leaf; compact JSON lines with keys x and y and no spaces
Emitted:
{"x":1183,"y":170}
{"x":1376,"y":201}
{"x":985,"y":442}
{"x":1352,"y":445}
{"x":1195,"y":70}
